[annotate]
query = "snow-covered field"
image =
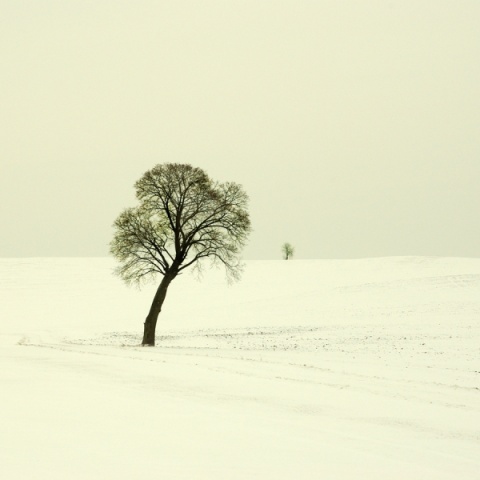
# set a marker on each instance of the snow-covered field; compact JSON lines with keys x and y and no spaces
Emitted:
{"x":328,"y":369}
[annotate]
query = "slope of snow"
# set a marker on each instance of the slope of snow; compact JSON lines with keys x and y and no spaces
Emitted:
{"x":338,"y":369}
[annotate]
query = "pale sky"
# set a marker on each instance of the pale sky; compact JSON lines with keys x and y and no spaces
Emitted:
{"x":354,"y":125}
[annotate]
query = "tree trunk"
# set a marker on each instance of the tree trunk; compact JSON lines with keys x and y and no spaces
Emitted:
{"x":151,"y":320}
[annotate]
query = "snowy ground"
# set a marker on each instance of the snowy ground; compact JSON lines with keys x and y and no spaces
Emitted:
{"x":352,"y":369}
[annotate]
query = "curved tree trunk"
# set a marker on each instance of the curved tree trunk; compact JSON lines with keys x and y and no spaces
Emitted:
{"x":151,"y":320}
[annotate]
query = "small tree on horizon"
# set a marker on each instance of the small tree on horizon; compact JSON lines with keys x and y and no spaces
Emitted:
{"x":287,"y":250}
{"x":183,"y":218}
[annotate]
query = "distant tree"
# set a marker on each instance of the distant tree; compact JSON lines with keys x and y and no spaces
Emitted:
{"x":287,"y":250}
{"x":183,"y":218}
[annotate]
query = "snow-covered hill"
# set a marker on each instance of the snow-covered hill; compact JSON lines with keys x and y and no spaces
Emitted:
{"x":332,"y":369}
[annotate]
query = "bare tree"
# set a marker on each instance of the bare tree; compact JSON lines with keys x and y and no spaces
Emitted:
{"x":287,"y":250}
{"x":183,"y":218}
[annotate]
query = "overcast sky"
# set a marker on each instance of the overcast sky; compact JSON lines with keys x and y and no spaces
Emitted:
{"x":354,"y":126}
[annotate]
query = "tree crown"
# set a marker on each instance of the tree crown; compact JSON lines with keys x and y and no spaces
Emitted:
{"x":183,"y":217}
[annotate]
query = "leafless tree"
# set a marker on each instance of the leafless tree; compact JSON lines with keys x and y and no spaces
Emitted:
{"x":183,"y":218}
{"x":287,"y":250}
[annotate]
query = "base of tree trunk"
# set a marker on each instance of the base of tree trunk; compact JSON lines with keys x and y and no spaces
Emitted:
{"x":149,"y":334}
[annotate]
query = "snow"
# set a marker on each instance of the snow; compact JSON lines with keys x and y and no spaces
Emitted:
{"x":332,"y":369}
